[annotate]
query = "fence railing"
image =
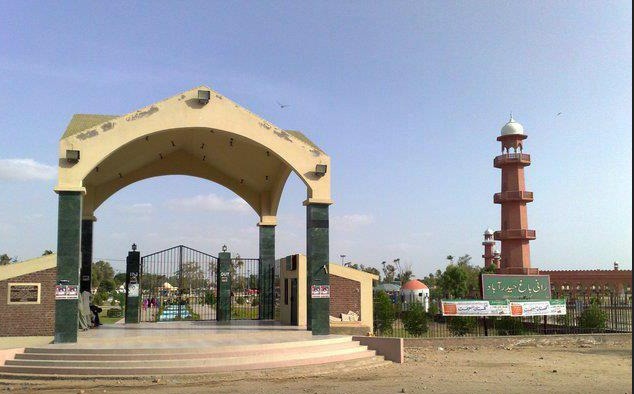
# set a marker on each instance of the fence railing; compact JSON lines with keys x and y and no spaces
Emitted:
{"x":610,"y":314}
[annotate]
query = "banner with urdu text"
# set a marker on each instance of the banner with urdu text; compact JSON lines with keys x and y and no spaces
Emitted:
{"x":502,"y":308}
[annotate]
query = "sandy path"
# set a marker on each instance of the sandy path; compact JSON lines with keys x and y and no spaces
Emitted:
{"x":571,"y":365}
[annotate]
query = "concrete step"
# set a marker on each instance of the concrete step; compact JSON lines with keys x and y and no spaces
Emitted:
{"x":54,"y":361}
{"x":286,"y":371}
{"x":117,"y":369}
{"x":182,"y":354}
{"x":169,"y":347}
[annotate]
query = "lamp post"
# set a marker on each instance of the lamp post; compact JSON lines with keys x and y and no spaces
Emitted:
{"x":343,"y":256}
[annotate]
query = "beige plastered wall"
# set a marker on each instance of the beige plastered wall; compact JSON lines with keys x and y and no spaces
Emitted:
{"x":301,"y":275}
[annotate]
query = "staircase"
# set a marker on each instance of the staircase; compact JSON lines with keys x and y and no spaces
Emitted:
{"x":117,"y":359}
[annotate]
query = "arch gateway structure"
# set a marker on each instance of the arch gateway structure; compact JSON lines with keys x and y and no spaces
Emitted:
{"x":198,"y":133}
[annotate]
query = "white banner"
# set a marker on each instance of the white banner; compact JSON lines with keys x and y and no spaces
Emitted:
{"x":475,"y":308}
{"x":502,"y":308}
{"x":538,"y":308}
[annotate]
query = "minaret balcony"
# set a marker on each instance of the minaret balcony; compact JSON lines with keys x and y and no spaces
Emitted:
{"x":506,"y":159}
{"x":499,"y":198}
{"x":514,"y":234}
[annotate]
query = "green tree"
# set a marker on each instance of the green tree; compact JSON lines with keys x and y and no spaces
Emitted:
{"x":454,"y":282}
{"x":371,"y":270}
{"x":593,"y":317}
{"x":119,"y":279}
{"x":47,"y":252}
{"x":99,"y":271}
{"x":384,"y":315}
{"x":107,"y":286}
{"x":5,"y":259}
{"x":190,"y":276}
{"x":389,"y":272}
{"x":415,"y":319}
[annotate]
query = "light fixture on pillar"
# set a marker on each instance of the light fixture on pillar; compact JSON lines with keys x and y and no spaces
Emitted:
{"x":203,"y":96}
{"x":72,"y":156}
{"x":134,"y":247}
{"x":224,"y":248}
{"x":320,"y":169}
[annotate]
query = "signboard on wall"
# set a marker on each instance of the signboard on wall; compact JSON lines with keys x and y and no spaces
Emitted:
{"x":66,"y":292}
{"x":515,"y":287}
{"x":320,"y":291}
{"x":24,"y":293}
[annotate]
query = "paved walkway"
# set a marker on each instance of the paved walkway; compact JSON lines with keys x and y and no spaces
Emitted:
{"x":189,"y":334}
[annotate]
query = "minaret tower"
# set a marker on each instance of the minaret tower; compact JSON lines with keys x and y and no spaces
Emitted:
{"x":514,"y":235}
{"x":488,"y":244}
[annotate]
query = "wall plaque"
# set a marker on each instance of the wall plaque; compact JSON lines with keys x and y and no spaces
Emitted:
{"x":23,"y":293}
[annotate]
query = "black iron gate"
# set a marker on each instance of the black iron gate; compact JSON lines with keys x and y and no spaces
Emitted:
{"x":245,"y":289}
{"x":180,"y":284}
{"x":177,"y":284}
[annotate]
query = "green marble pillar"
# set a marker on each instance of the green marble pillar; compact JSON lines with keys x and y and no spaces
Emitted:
{"x":318,"y":319}
{"x":86,"y":255}
{"x":68,"y":262}
{"x":132,"y":286}
{"x":223,"y":280}
{"x":267,"y":273}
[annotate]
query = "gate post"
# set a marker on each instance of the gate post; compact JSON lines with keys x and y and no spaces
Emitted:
{"x":267,"y":272}
{"x":223,"y":286}
{"x":86,"y":254}
{"x":68,"y":263}
{"x":318,"y":292}
{"x":132,"y":286}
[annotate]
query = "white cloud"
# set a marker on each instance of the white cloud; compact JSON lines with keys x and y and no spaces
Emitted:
{"x":25,"y":170}
{"x":209,"y":202}
{"x":351,"y":222}
{"x":145,"y":208}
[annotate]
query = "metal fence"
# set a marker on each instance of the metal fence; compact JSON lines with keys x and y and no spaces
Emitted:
{"x":245,"y":290}
{"x":610,"y":314}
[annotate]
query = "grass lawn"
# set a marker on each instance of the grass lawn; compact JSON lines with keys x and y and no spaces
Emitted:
{"x":104,"y":319}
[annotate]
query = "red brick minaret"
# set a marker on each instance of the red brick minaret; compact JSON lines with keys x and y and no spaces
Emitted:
{"x":514,"y":235}
{"x":488,"y":244}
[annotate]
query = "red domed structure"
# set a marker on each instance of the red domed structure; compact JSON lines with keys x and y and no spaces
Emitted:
{"x":415,"y":291}
{"x":414,"y":285}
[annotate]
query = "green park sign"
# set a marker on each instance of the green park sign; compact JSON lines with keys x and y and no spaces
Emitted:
{"x":515,"y":287}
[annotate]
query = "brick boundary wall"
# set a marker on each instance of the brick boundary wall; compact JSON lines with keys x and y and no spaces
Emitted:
{"x":29,"y":319}
{"x":345,"y":296}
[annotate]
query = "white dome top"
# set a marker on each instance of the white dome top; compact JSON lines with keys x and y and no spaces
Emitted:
{"x":488,"y":231}
{"x":512,"y":127}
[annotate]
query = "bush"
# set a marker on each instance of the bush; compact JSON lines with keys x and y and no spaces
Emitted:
{"x":593,"y":318}
{"x":210,"y":298}
{"x":415,"y":319}
{"x":509,"y":326}
{"x":255,"y":301}
{"x":461,"y":325}
{"x":240,"y":300}
{"x":433,"y":309}
{"x":383,"y":313}
{"x":114,"y":312}
{"x":99,"y":298}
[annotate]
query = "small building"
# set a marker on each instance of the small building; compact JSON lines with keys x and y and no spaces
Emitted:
{"x":351,"y":308}
{"x":415,"y":291}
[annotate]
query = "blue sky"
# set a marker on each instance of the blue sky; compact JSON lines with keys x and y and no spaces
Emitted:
{"x":407,"y":98}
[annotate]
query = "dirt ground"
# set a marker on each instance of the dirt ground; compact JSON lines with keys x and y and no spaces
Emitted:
{"x":576,"y":364}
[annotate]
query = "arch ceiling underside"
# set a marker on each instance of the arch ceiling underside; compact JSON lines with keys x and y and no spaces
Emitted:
{"x":219,"y":141}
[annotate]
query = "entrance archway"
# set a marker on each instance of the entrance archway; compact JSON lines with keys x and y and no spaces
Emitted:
{"x":199,"y":133}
